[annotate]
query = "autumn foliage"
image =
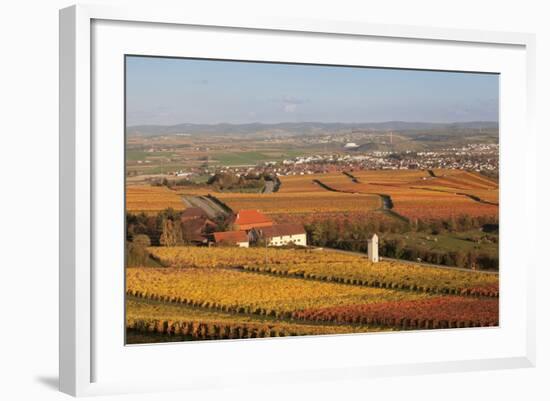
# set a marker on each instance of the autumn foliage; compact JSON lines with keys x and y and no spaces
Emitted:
{"x":438,"y":312}
{"x":333,"y":267}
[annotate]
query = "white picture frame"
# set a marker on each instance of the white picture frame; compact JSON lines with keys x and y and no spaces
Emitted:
{"x":84,"y":347}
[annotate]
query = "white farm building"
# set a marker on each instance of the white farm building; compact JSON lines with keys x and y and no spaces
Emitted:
{"x":282,"y":234}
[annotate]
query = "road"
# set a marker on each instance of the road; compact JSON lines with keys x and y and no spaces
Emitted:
{"x":409,"y":262}
{"x":210,"y":207}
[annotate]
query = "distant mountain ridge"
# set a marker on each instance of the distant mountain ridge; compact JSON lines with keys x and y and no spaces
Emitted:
{"x":299,"y":128}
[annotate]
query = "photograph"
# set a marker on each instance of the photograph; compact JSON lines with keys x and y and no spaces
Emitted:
{"x":274,"y":199}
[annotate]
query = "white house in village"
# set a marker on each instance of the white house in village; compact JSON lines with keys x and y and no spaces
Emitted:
{"x":372,"y":249}
{"x":281,"y":234}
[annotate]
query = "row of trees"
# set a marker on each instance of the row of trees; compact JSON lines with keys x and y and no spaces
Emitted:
{"x":452,"y":224}
{"x":174,"y":182}
{"x":353,"y":236}
{"x":461,"y":258}
{"x":345,"y":234}
{"x":327,"y":232}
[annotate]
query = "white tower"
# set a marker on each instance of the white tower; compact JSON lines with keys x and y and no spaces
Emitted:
{"x":373,"y":249}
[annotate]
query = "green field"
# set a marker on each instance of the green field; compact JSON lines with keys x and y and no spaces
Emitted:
{"x":245,"y":158}
{"x":137,"y":155}
{"x":466,"y":241}
{"x":254,"y":157}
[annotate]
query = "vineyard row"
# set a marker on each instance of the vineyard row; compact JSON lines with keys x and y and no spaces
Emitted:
{"x":476,"y":291}
{"x":208,"y":331}
{"x":378,"y":318}
{"x":433,"y":313}
{"x":210,"y":305}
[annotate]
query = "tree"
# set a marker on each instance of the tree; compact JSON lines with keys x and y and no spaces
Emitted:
{"x":461,"y":259}
{"x":136,"y":253}
{"x":171,"y":232}
{"x":223,"y":223}
{"x":472,"y":259}
{"x":316,"y":233}
{"x":142,"y":241}
{"x":399,"y":248}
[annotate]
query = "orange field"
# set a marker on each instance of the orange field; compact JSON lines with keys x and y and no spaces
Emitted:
{"x":414,"y":194}
{"x":390,"y":177}
{"x":302,"y":183}
{"x":417,"y":195}
{"x":357,"y":216}
{"x":302,"y":202}
{"x":149,"y":199}
{"x":463,"y":182}
{"x":427,"y":205}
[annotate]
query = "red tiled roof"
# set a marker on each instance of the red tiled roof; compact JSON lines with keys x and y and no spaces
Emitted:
{"x":251,"y":217}
{"x":231,"y":236}
{"x":280,"y":230}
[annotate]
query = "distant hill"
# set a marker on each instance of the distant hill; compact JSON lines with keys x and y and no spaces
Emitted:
{"x":301,"y":128}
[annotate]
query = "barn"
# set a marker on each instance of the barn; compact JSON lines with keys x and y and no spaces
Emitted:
{"x":196,"y":226}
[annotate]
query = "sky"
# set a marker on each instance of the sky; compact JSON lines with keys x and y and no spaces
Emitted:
{"x":169,"y":91}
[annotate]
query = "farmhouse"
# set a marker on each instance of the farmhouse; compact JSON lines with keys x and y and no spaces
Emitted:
{"x":248,"y":219}
{"x":196,"y":226}
{"x":238,"y":238}
{"x":281,"y":234}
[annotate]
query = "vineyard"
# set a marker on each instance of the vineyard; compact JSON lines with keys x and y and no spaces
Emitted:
{"x":253,"y":293}
{"x":222,"y":293}
{"x":430,"y":313}
{"x":416,"y":195}
{"x":198,"y":323}
{"x":333,"y":267}
{"x":235,"y":257}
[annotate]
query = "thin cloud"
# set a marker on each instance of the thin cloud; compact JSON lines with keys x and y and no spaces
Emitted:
{"x":290,"y":103}
{"x":290,"y":107}
{"x":293,"y":100}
